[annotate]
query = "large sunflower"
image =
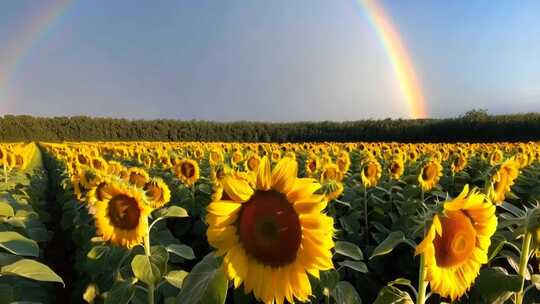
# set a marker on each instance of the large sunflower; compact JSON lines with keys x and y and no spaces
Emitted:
{"x":122,"y":215}
{"x":274,"y":234}
{"x":457,"y":243}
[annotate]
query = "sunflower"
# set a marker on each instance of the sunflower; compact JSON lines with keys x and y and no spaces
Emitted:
{"x":429,"y":175}
{"x":343,"y":161}
{"x":252,"y":162}
{"x":2,"y":155}
{"x":138,"y":176}
{"x":187,"y":171}
{"x":370,"y":172}
{"x":331,"y":171}
{"x":157,"y":193}
{"x":99,"y":164}
{"x":459,"y":162}
{"x":98,"y":191}
{"x":495,"y":157}
{"x":276,"y":155}
{"x":122,"y":215}
{"x":313,"y":165}
{"x":332,"y":189}
{"x":274,"y":234}
{"x":502,"y":180}
{"x":83,"y":159}
{"x":457,"y":242}
{"x":396,"y":167}
{"x":236,"y":158}
{"x":216,"y":157}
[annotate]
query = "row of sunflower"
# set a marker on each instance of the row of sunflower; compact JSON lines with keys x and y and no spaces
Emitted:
{"x":311,"y":222}
{"x":24,"y":237}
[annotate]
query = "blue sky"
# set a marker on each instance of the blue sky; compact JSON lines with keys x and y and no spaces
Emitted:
{"x":272,"y":60}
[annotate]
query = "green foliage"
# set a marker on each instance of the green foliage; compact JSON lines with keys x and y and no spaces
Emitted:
{"x":475,"y":125}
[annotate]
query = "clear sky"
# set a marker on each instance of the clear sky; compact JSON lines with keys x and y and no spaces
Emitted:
{"x":277,"y":60}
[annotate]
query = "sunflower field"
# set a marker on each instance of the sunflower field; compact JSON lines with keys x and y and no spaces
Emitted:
{"x":220,"y":222}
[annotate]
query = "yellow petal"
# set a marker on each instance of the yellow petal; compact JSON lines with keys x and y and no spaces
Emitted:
{"x":223,"y":208}
{"x":284,"y":175}
{"x":264,"y":175}
{"x":237,"y":189}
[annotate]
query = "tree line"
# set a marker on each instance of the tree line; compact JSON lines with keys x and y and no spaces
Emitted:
{"x":474,"y":126}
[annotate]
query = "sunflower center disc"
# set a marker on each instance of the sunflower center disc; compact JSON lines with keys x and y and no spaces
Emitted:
{"x":429,"y":173}
{"x":394,"y":168}
{"x":270,"y":229}
{"x":137,"y":179}
{"x":370,"y":170}
{"x":187,"y":170}
{"x":124,"y":212}
{"x":458,"y":239}
{"x":154,"y":192}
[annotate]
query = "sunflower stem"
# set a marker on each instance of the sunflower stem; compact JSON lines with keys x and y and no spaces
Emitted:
{"x":366,"y":223}
{"x":422,"y":286}
{"x":148,"y":253}
{"x":523,"y":260}
{"x":5,"y":173}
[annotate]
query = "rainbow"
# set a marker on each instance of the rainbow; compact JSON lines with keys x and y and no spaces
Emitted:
{"x":15,"y":50}
{"x":399,"y":57}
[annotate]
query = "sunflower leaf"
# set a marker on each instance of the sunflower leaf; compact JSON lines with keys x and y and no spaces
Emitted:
{"x":176,"y":277}
{"x":355,"y":265}
{"x":145,"y":270}
{"x":391,"y":294}
{"x":392,"y":240}
{"x":494,"y":285}
{"x":206,"y":283}
{"x":18,"y":244}
{"x":349,"y":249}
{"x":120,"y":293}
{"x":182,"y":251}
{"x":173,"y":211}
{"x":32,"y":270}
{"x":344,"y":293}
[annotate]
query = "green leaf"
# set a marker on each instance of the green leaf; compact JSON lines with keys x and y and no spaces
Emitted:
{"x":494,"y":285}
{"x":344,"y":293}
{"x":18,"y":244}
{"x":391,"y":294}
{"x":145,"y":270}
{"x":176,"y":277}
{"x":182,"y":251}
{"x":32,"y":270}
{"x":206,"y":283}
{"x":354,"y":265}
{"x":349,"y":249}
{"x":386,"y":246}
{"x":97,"y":252}
{"x":6,"y":209}
{"x":400,"y":281}
{"x":329,"y":279}
{"x":160,"y":257}
{"x":173,"y":211}
{"x":120,"y":293}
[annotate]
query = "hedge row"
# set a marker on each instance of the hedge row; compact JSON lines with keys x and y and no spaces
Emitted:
{"x":474,"y":126}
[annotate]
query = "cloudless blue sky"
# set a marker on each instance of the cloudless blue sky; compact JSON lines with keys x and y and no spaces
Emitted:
{"x":272,"y":60}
